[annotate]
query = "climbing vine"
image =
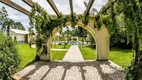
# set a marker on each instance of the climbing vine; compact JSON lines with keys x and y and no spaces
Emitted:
{"x":132,"y":18}
{"x":130,"y":12}
{"x":43,"y":24}
{"x":85,"y":19}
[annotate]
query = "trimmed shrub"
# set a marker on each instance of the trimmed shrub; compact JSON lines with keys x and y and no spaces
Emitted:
{"x":9,"y":59}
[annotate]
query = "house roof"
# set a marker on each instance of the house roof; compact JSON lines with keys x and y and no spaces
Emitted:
{"x":19,"y":31}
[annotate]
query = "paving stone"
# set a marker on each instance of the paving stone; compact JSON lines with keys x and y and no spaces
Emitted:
{"x":55,"y":73}
{"x":73,"y":54}
{"x":62,"y":70}
{"x":72,"y":67}
{"x":73,"y":74}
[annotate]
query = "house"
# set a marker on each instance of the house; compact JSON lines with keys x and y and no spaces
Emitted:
{"x":21,"y":36}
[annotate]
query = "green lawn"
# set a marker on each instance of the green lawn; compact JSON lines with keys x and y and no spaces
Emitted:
{"x":88,"y":53}
{"x":122,"y":57}
{"x":58,"y":55}
{"x":26,"y":54}
{"x":61,"y":46}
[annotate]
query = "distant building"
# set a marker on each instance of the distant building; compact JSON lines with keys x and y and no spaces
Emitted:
{"x":21,"y":36}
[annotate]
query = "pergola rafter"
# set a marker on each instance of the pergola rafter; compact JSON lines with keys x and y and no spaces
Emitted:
{"x":71,"y":7}
{"x":89,"y":6}
{"x":105,"y":8}
{"x":15,"y":6}
{"x":29,"y":2}
{"x":53,"y":6}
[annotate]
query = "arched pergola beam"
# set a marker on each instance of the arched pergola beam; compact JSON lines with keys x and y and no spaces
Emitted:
{"x":53,"y":6}
{"x":15,"y":6}
{"x":71,"y":7}
{"x":89,"y":6}
{"x":29,"y":2}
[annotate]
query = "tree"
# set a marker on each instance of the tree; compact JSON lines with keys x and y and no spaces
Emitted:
{"x":133,"y":18}
{"x":3,"y":15}
{"x":9,"y":59}
{"x":91,"y":40}
{"x":68,"y":34}
{"x":7,"y":25}
{"x":19,"y":26}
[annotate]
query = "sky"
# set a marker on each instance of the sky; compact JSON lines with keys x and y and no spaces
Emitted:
{"x":62,"y":5}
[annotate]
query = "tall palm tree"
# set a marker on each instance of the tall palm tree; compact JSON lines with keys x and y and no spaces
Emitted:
{"x":7,"y":25}
{"x":10,"y":24}
{"x":67,"y":33}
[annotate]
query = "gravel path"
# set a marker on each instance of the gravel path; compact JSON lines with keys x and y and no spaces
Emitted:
{"x":61,"y":70}
{"x":73,"y":54}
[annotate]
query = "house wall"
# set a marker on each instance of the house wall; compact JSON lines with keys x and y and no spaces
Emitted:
{"x":20,"y":38}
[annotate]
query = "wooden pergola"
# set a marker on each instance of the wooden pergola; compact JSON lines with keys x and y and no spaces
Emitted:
{"x":101,"y":36}
{"x":53,"y":6}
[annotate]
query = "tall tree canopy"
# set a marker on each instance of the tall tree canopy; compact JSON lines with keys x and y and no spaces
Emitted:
{"x":7,"y":25}
{"x":19,"y":26}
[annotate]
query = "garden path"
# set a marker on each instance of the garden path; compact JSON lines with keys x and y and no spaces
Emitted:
{"x":73,"y":54}
{"x":61,"y":70}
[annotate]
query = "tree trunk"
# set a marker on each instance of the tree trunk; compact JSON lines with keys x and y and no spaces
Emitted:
{"x":8,"y":30}
{"x":136,"y":48}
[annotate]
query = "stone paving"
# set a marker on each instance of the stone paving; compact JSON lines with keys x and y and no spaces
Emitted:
{"x":72,"y":67}
{"x":73,"y":54}
{"x":61,"y":70}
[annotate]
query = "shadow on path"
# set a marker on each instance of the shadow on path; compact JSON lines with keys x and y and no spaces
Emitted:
{"x":86,"y":70}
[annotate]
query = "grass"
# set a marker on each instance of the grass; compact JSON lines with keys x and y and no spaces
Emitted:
{"x":58,"y":55}
{"x":88,"y":53}
{"x":122,"y":57}
{"x":26,"y":55}
{"x":61,"y":46}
